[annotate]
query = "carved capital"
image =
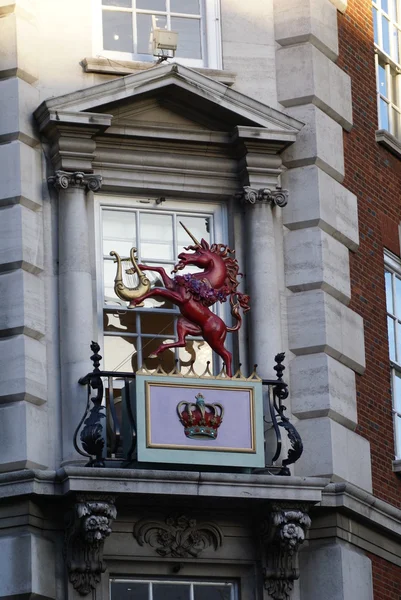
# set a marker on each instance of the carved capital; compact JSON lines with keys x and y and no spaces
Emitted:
{"x":88,"y":524}
{"x":252,"y":196}
{"x":63,"y":180}
{"x":283,"y":534}
{"x":178,"y":536}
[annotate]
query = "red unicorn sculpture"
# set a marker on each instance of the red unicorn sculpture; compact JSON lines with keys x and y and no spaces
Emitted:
{"x":194,"y":294}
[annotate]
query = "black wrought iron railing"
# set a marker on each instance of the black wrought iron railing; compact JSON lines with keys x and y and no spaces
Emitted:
{"x":106,"y":434}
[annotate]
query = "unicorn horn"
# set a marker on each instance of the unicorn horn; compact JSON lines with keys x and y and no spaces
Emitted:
{"x":190,"y":234}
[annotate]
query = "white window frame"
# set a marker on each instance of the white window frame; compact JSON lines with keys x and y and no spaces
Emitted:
{"x":220,"y":235}
{"x":392,"y":69}
{"x":392,"y":264}
{"x":210,"y":39}
{"x":174,"y":580}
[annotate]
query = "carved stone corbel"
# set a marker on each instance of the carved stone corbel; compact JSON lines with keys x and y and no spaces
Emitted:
{"x":64,"y":179}
{"x":178,"y":536}
{"x":250,"y":195}
{"x":88,"y":524}
{"x":283,"y":534}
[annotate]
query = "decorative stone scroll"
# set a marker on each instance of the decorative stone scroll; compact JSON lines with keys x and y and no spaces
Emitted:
{"x":250,"y":195}
{"x":63,"y":180}
{"x":178,"y":536}
{"x":282,"y":535}
{"x":88,"y":525}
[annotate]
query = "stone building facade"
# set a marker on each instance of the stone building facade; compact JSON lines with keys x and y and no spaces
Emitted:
{"x":264,"y":136}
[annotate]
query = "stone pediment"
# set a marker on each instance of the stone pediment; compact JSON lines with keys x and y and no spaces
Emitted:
{"x":167,"y":95}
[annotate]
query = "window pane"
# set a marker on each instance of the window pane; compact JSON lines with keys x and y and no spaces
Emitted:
{"x":109,"y":273}
{"x":383,"y":117}
{"x":166,"y":359}
{"x":124,"y":320}
{"x":386,"y":35}
{"x":393,"y":9}
{"x":156,"y":237}
{"x":120,"y":354}
{"x":117,"y":31}
{"x":397,"y":392}
{"x":123,"y":3}
{"x":200,"y":227}
{"x":391,"y":338}
{"x":375,"y":26}
{"x":397,"y":432}
{"x":212,"y":592}
{"x":151,"y":5}
{"x":144,"y":28}
{"x":189,"y":37}
{"x":396,"y":123}
{"x":385,"y":5}
{"x":170,"y":591}
{"x":119,"y":232}
{"x":389,"y":292}
{"x":197,"y":353}
{"x":394,"y":35}
{"x":382,"y":81}
{"x":158,"y":324}
{"x":398,"y":296}
{"x":129,"y":590}
{"x":185,"y":6}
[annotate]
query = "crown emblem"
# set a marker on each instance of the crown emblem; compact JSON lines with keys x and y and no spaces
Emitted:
{"x":200,"y":419}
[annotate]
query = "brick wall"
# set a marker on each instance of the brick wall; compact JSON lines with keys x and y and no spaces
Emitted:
{"x":386,"y":579}
{"x":374,"y":175}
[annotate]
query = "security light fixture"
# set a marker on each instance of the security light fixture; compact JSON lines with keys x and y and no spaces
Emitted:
{"x":164,"y":41}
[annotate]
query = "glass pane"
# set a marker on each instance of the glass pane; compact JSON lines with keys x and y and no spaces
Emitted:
{"x":157,"y":324}
{"x":124,"y":320}
{"x":190,"y":7}
{"x":386,"y":35}
{"x":119,"y":225}
{"x":397,"y":432}
{"x":170,"y":591}
{"x":109,"y":274}
{"x":397,"y":392}
{"x":200,"y":227}
{"x":375,"y":26}
{"x":189,"y":37}
{"x":151,"y":5}
{"x":166,"y":359}
{"x":394,"y":35}
{"x":212,"y":592}
{"x":156,"y":237}
{"x":389,"y":292}
{"x":120,"y":353}
{"x":197,"y":353}
{"x":144,"y":31}
{"x":384,"y":4}
{"x":383,"y":117}
{"x":382,"y":81}
{"x":391,"y":338}
{"x":393,"y":9}
{"x":123,"y":3}
{"x":129,"y":590}
{"x":398,"y":296}
{"x":117,"y":31}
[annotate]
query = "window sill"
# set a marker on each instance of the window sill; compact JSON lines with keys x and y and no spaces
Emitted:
{"x":386,"y":139}
{"x":127,"y":67}
{"x":397,"y":466}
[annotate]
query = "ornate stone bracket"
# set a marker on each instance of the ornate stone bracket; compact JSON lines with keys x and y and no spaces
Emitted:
{"x":63,"y":180}
{"x":88,"y":525}
{"x":250,"y":195}
{"x":282,"y":536}
{"x":178,"y":536}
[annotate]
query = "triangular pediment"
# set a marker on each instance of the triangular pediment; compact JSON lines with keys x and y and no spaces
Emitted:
{"x":166,"y":96}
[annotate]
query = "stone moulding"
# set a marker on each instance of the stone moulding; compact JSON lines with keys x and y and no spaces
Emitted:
{"x":63,"y":180}
{"x":178,"y":536}
{"x":282,"y":536}
{"x":87,"y":526}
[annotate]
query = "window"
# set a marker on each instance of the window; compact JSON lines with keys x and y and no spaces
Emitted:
{"x":387,"y":37}
{"x":393,"y":302}
{"x":143,"y":589}
{"x":125,"y":29}
{"x":131,"y":335}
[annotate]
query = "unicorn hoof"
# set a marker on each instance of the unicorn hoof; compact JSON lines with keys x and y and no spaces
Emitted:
{"x":153,"y":355}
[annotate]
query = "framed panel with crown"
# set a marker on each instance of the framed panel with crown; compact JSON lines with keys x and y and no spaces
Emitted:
{"x":200,"y":421}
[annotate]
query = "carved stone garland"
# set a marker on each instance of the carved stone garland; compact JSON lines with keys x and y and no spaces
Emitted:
{"x":282,"y":536}
{"x":178,"y":536}
{"x":87,"y":527}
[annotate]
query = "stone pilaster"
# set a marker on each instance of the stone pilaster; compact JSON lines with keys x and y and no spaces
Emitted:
{"x":76,"y":306}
